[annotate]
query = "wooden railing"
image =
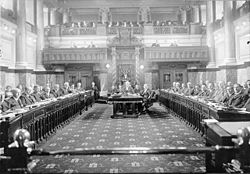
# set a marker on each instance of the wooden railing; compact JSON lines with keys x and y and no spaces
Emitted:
{"x":171,"y":29}
{"x":74,"y":55}
{"x":42,"y":121}
{"x":177,"y":53}
{"x":58,"y":30}
{"x":115,"y":30}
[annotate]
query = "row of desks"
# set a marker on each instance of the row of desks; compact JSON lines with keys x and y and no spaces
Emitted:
{"x":217,"y":125}
{"x":43,"y":120}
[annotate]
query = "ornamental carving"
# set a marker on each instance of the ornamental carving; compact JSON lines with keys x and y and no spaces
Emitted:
{"x":124,"y":37}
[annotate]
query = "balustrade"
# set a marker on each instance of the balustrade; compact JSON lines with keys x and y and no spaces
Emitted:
{"x":194,"y":53}
{"x":115,"y":30}
{"x":74,"y":55}
{"x":171,"y":29}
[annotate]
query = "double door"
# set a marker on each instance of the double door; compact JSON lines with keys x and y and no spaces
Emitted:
{"x":168,"y":76}
{"x":74,"y":77}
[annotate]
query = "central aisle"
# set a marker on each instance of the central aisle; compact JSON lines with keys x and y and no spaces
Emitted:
{"x":95,"y":129}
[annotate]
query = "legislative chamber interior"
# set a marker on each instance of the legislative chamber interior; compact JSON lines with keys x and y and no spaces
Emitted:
{"x":124,"y":86}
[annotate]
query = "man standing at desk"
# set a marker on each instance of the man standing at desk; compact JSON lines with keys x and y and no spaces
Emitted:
{"x":146,"y":94}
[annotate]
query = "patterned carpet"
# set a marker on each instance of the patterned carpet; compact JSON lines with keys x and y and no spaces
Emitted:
{"x":96,"y":130}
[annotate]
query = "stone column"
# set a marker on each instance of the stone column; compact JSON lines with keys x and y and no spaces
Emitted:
{"x":40,"y":36}
{"x":183,"y":16}
{"x":210,"y":36}
{"x":21,"y":62}
{"x":65,"y":16}
{"x":196,"y":17}
{"x":229,"y":33}
{"x":52,"y":16}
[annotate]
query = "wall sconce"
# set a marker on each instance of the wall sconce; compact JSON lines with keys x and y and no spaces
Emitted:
{"x":141,"y":67}
{"x":107,"y":66}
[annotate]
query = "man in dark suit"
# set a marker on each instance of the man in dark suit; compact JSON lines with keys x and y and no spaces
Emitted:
{"x":46,"y":94}
{"x":137,"y":89}
{"x":146,"y":94}
{"x":127,"y":88}
{"x":238,"y":100}
{"x":189,"y":90}
{"x":228,"y":95}
{"x":5,"y":104}
{"x":65,"y":89}
{"x":26,"y":97}
{"x":36,"y":94}
{"x":95,"y":90}
{"x":56,"y":92}
{"x":79,"y":87}
{"x":14,"y":102}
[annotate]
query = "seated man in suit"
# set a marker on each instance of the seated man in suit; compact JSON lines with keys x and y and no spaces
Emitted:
{"x":56,"y":92}
{"x":238,"y":100}
{"x":46,"y":94}
{"x":37,"y":94}
{"x":204,"y":92}
{"x":146,"y":94}
{"x":4,"y":106}
{"x":14,"y":102}
{"x":137,"y":89}
{"x":79,"y":87}
{"x":127,"y":89}
{"x":65,"y":89}
{"x":189,"y":90}
{"x":228,"y":95}
{"x":113,"y":90}
{"x":26,"y":97}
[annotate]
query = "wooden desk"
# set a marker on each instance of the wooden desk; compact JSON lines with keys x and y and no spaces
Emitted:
{"x":44,"y":119}
{"x":194,"y":111}
{"x":124,"y":102}
{"x":221,"y":133}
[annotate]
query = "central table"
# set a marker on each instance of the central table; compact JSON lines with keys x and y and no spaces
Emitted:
{"x":124,"y":102}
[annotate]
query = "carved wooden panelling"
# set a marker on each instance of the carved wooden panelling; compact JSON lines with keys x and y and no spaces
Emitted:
{"x":195,"y":53}
{"x":74,"y":55}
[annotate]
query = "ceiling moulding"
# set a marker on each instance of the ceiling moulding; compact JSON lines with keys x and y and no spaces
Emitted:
{"x":124,"y":3}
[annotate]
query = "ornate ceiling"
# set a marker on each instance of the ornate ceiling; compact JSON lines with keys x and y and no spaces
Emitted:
{"x":121,"y":6}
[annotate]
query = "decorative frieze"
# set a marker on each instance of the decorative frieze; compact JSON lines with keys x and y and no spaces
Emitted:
{"x":193,"y":53}
{"x":74,"y":55}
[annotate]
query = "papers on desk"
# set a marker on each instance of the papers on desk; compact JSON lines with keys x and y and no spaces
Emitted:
{"x":8,"y":115}
{"x":210,"y":121}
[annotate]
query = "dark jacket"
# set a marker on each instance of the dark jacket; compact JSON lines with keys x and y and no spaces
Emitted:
{"x":56,"y":93}
{"x":27,"y":99}
{"x":237,"y":100}
{"x":14,"y":104}
{"x":38,"y":97}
